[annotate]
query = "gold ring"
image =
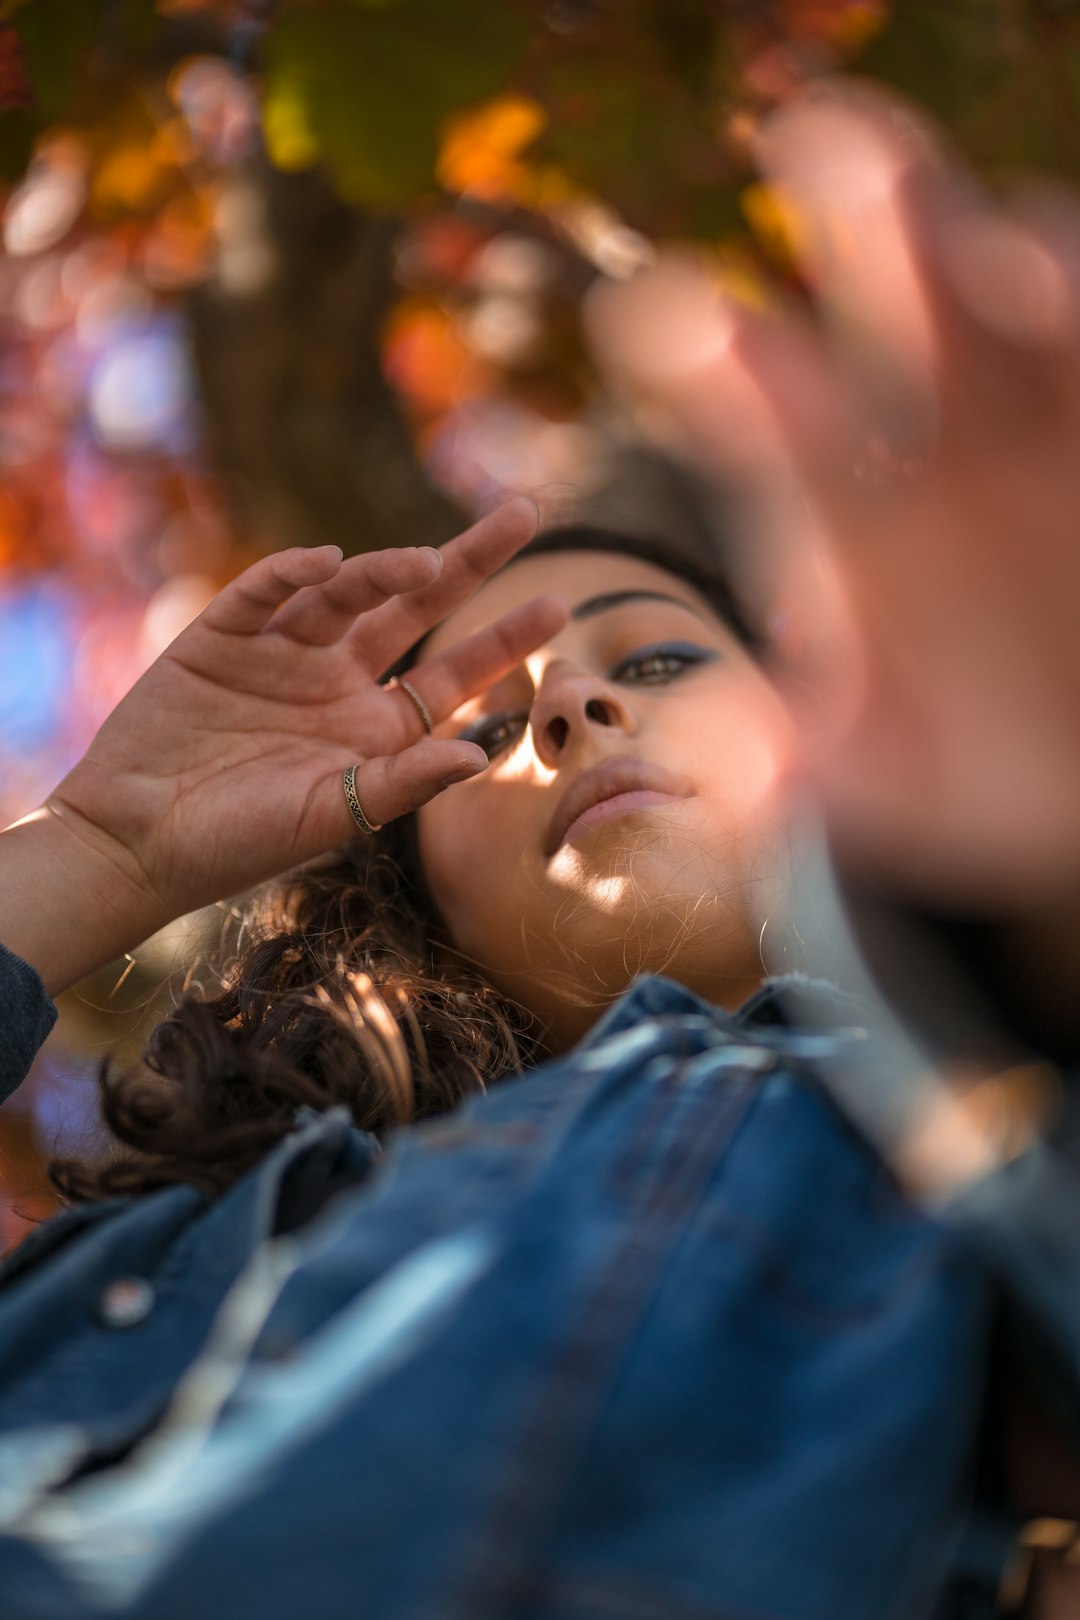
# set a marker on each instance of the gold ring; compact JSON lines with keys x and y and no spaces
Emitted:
{"x":410,"y":692}
{"x":356,"y":809}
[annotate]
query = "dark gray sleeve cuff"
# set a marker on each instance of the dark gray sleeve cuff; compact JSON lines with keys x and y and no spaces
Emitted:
{"x":26,"y":1017}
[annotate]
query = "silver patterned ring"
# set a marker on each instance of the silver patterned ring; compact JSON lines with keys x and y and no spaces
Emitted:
{"x":356,"y":809}
{"x":410,"y":692}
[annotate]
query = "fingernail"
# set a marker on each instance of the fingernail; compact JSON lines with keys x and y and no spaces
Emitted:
{"x":336,"y":549}
{"x":433,"y":551}
{"x":525,"y":503}
{"x":461,"y":775}
{"x":666,"y":323}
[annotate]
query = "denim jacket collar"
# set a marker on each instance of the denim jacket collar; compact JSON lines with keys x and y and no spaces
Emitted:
{"x":779,"y":1003}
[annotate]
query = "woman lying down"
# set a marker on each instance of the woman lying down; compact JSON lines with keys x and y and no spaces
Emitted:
{"x":495,"y":1237}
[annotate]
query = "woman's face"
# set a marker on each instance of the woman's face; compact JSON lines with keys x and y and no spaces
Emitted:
{"x":628,"y":821}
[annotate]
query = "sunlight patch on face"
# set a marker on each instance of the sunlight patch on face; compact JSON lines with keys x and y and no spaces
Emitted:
{"x":607,"y":894}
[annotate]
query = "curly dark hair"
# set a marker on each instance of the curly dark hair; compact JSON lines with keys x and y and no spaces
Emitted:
{"x":336,"y":987}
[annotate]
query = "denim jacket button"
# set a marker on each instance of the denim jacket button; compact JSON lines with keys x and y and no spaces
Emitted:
{"x":126,"y":1302}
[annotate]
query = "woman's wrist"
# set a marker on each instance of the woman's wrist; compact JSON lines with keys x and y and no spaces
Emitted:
{"x":71,"y":898}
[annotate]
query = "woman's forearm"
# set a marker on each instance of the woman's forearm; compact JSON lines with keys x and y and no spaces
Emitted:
{"x":69,"y":902}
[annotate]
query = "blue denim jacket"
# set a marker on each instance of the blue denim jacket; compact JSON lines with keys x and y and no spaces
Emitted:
{"x":647,"y":1333}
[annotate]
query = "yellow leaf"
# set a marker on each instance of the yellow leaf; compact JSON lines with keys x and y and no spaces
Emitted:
{"x":479,"y":150}
{"x":289,"y":138}
{"x":426,"y":360}
{"x":740,"y":282}
{"x":858,"y":24}
{"x":127,"y":178}
{"x":172,"y":146}
{"x":775,"y":221}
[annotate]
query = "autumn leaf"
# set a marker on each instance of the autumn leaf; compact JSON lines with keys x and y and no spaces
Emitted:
{"x":366,"y":89}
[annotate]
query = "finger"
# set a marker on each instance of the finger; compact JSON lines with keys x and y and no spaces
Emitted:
{"x":449,"y":679}
{"x":951,"y":313}
{"x":670,"y":335}
{"x":758,"y":394}
{"x":322,"y":614}
{"x":1001,"y":287}
{"x":668,"y":325}
{"x":384,"y":635}
{"x":1001,"y":310}
{"x":1050,"y":213}
{"x":743,"y":391}
{"x":840,"y":161}
{"x":816,"y":408}
{"x":247,"y":603}
{"x":394,"y":784}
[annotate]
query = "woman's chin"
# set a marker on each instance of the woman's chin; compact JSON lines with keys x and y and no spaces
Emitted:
{"x":703,"y":938}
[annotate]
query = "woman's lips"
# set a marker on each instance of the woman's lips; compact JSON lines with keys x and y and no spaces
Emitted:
{"x":620,"y":804}
{"x":614,"y":787}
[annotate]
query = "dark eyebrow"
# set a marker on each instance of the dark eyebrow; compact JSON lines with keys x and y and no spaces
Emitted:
{"x":612,"y":599}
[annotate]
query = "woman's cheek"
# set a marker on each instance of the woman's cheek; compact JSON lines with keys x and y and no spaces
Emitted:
{"x":763,"y":752}
{"x":482,"y":848}
{"x":463,"y":854}
{"x":750,"y":754}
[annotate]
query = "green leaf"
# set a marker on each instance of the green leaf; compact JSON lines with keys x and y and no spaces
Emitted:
{"x":58,"y":37}
{"x":1007,"y":88}
{"x":59,"y":40}
{"x":18,"y":131}
{"x":713,"y":213}
{"x":364,"y":85}
{"x":642,"y":140}
{"x":948,"y":57}
{"x":1032,"y":122}
{"x":684,"y":36}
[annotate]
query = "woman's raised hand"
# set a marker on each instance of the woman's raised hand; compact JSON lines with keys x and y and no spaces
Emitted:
{"x":224,"y":763}
{"x":932,"y":418}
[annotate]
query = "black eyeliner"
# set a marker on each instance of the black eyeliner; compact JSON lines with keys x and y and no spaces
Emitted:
{"x":692,"y":651}
{"x":487,"y":723}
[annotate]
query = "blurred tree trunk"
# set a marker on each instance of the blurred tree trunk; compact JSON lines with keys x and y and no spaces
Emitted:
{"x":300,"y":423}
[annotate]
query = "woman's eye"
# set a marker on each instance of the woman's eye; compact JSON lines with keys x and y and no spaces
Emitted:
{"x":648,"y":666}
{"x":495,"y":732}
{"x":654,"y":665}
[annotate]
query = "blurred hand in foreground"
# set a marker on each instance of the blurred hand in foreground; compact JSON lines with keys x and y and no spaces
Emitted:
{"x":931,"y":415}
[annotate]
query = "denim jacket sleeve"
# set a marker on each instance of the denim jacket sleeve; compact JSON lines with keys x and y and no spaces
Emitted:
{"x":26,"y":1018}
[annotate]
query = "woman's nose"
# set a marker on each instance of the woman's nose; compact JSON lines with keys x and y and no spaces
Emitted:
{"x":568,"y":706}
